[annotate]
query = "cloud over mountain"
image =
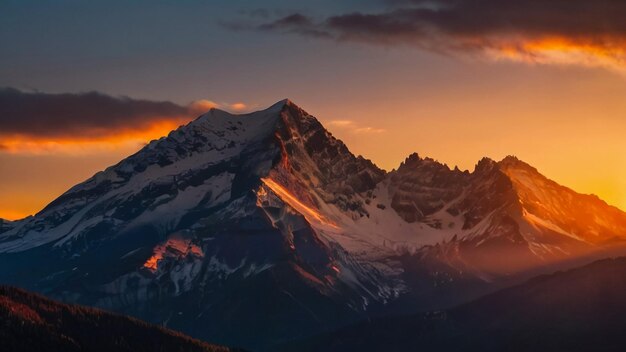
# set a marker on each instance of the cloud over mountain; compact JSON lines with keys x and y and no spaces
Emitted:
{"x":85,"y":114}
{"x":41,"y":122}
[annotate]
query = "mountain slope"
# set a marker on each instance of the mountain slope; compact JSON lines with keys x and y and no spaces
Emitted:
{"x":232,"y":219}
{"x":549,"y":205}
{"x":212,"y":221}
{"x":578,"y":310}
{"x":5,"y":225}
{"x":31,"y":322}
{"x":501,"y":218}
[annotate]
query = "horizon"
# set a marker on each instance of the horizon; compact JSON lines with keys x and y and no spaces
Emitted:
{"x":136,"y":144}
{"x":537,"y":88}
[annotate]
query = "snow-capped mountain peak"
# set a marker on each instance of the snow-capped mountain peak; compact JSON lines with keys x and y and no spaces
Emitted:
{"x":232,"y":209}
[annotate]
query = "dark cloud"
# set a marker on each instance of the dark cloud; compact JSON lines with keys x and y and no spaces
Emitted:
{"x":298,"y":24}
{"x":486,"y":17}
{"x":293,"y":20}
{"x":77,"y":115}
{"x":596,"y":28}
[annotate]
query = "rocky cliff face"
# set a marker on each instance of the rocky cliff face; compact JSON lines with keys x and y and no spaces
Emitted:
{"x":422,"y":187}
{"x":504,"y":216}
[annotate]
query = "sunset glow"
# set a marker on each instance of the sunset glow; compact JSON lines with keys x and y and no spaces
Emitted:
{"x":174,"y":246}
{"x":90,"y":143}
{"x":380,"y":175}
{"x":310,"y":213}
{"x":605,"y":53}
{"x":388,"y":81}
{"x":600,"y":148}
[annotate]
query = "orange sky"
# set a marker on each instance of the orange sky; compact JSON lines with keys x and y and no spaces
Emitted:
{"x":580,"y":145}
{"x":572,"y":130}
{"x":454,"y":82}
{"x":565,"y":116}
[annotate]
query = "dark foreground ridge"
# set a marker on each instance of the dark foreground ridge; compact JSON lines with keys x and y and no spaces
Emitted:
{"x":30,"y":322}
{"x":577,"y":310}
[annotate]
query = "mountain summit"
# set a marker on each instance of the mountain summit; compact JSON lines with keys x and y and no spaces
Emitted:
{"x":232,"y":219}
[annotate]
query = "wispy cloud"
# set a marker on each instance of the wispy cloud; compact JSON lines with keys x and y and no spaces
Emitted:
{"x":353,"y":127}
{"x":201,"y":106}
{"x":564,"y":32}
{"x":340,"y":123}
{"x":298,"y":24}
{"x":238,"y":107}
{"x":369,"y":130}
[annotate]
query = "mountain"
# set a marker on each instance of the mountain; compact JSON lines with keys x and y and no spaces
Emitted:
{"x":30,"y":322}
{"x":503,"y":217}
{"x":253,"y":229}
{"x":577,"y":310}
{"x":5,"y":225}
{"x":207,"y":231}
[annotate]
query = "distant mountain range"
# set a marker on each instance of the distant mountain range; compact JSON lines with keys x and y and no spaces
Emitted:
{"x":30,"y":322}
{"x":577,"y":310}
{"x":255,"y":229}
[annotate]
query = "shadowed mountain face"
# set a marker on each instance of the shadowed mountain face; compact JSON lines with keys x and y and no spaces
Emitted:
{"x":252,"y":229}
{"x":578,"y":310}
{"x":30,"y":322}
{"x":5,"y":225}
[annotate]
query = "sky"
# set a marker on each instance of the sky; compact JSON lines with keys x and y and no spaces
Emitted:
{"x":85,"y":84}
